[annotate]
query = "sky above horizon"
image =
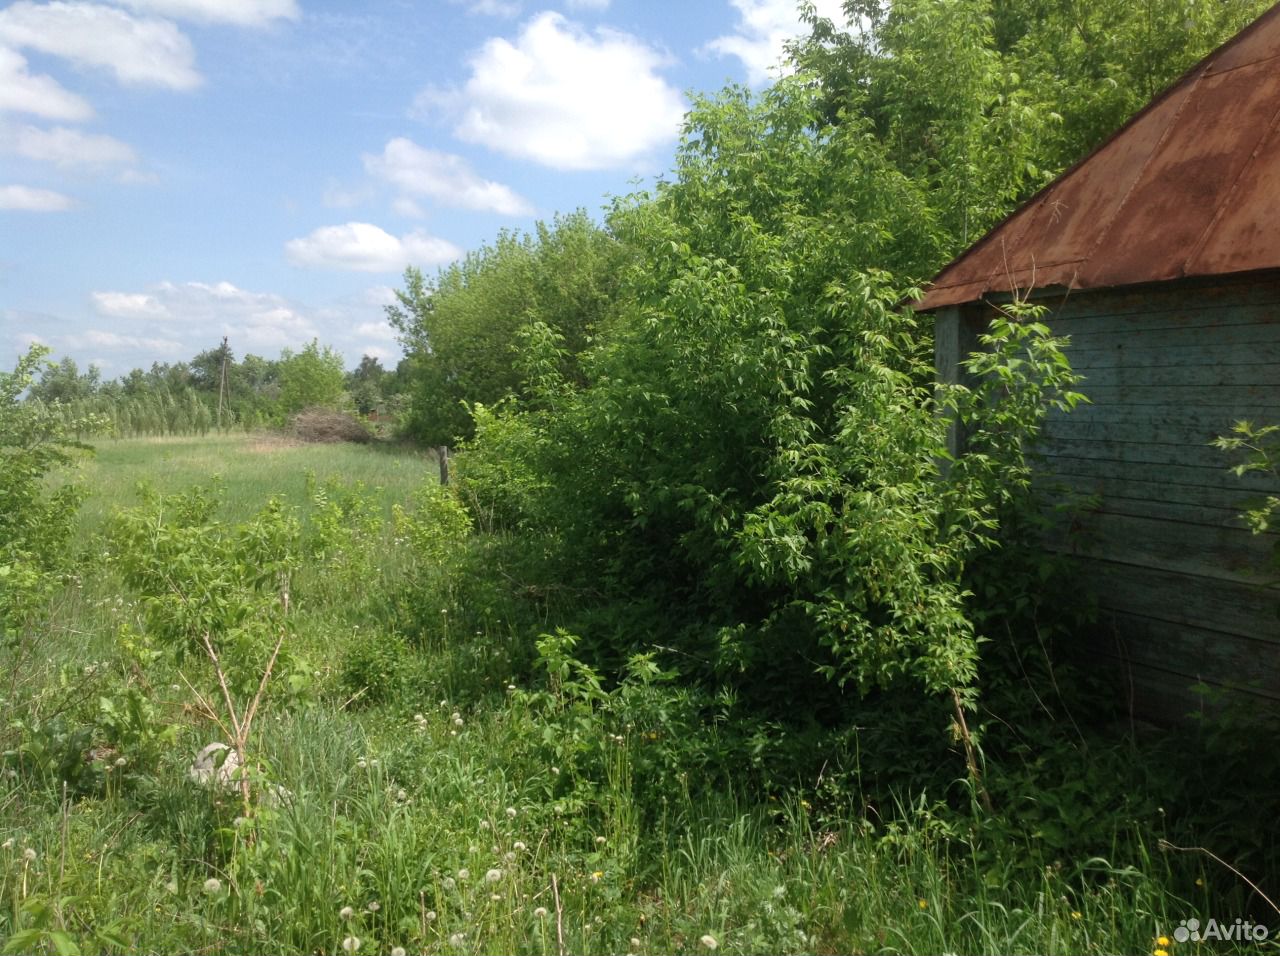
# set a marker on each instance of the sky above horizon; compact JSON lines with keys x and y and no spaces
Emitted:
{"x":173,"y":171}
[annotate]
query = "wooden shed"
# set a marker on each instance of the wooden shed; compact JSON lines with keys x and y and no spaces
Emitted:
{"x":1159,"y":255}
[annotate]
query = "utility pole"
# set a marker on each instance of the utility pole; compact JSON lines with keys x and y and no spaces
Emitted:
{"x":222,"y":383}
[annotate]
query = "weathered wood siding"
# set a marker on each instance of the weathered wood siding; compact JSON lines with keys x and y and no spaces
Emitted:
{"x":1183,"y":584}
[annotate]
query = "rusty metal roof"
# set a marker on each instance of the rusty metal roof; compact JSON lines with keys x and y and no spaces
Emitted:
{"x":1188,"y":187}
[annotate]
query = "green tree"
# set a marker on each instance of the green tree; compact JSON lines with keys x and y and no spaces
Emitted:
{"x":313,"y":377}
{"x":463,"y":332}
{"x":365,"y":384}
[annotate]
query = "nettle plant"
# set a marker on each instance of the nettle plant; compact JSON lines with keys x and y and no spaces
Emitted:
{"x":216,"y":593}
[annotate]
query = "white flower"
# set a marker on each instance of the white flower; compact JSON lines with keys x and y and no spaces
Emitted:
{"x":397,"y":951}
{"x":213,"y":885}
{"x":519,"y":845}
{"x":362,"y":763}
{"x":540,"y":912}
{"x":29,"y":855}
{"x":464,"y":874}
{"x":351,"y":944}
{"x":511,"y":813}
{"x":456,"y":939}
{"x":346,"y":912}
{"x":374,"y":906}
{"x":600,"y":841}
{"x":431,"y":916}
{"x":493,"y":876}
{"x":708,"y":941}
{"x":120,"y":761}
{"x":457,"y":721}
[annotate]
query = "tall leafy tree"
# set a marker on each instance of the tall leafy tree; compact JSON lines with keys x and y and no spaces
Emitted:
{"x":312,"y":377}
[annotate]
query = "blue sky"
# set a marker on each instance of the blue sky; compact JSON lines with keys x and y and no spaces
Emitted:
{"x":172,"y":171}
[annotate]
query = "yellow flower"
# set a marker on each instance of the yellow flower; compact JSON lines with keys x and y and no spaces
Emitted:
{"x":595,"y":877}
{"x":1162,"y":941}
{"x":922,"y":904}
{"x":1199,"y":881}
{"x":1159,"y":952}
{"x":1075,"y":914}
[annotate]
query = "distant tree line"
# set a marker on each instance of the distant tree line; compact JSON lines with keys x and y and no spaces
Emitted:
{"x":215,"y":391}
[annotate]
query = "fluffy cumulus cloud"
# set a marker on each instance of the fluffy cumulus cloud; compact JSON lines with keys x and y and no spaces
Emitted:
{"x":140,"y":51}
{"x":39,"y":95}
{"x":565,"y":97}
{"x":364,"y":247}
{"x":66,"y":147}
{"x":444,"y":177}
{"x":763,"y":28}
{"x":30,"y":199}
{"x":200,"y":311}
{"x":243,"y":13}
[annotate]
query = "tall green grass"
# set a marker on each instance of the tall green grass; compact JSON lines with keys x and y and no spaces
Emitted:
{"x":467,"y":809}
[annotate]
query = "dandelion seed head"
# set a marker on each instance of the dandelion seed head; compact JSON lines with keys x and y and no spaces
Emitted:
{"x":29,"y":855}
{"x":519,"y":846}
{"x":373,"y":906}
{"x":362,"y":763}
{"x":599,"y":841}
{"x":212,"y":885}
{"x":346,"y":912}
{"x":397,"y":951}
{"x":635,"y":942}
{"x":511,"y":813}
{"x":509,"y":857}
{"x":120,"y":761}
{"x":484,"y":824}
{"x":708,"y":941}
{"x":431,"y":916}
{"x":351,"y":944}
{"x":448,"y":883}
{"x":493,"y":876}
{"x":456,"y":939}
{"x":457,"y":721}
{"x":540,"y":912}
{"x":402,"y":794}
{"x":7,"y":844}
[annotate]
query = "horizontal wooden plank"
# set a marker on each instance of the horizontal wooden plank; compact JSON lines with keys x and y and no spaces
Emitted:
{"x":1244,"y":609}
{"x":1156,"y":695}
{"x":1159,"y":430}
{"x":1211,"y":329}
{"x":1246,"y":486}
{"x":1203,"y":551}
{"x":1154,"y":493}
{"x":1252,"y":292}
{"x":1213,"y":376}
{"x":1181,"y":394}
{"x":1190,"y":455}
{"x":1218,"y":419}
{"x":1198,"y":653}
{"x":1144,"y":500}
{"x":1208,"y":353}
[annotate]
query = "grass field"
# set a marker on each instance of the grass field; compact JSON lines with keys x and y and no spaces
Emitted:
{"x":423,"y":789}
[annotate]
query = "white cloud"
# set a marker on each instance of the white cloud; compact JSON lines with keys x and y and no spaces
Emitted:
{"x":443,"y":177}
{"x":565,"y":97}
{"x":363,"y":247}
{"x":588,"y":4}
{"x":29,"y":199}
{"x":68,"y":147}
{"x":764,"y":27}
{"x":40,"y":95}
{"x":490,"y":8}
{"x":139,"y":51}
{"x":129,"y":305}
{"x":243,"y":13}
{"x":381,"y":331}
{"x":404,"y":206}
{"x":100,"y":339}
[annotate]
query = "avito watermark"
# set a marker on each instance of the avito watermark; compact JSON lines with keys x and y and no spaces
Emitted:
{"x":1240,"y":931}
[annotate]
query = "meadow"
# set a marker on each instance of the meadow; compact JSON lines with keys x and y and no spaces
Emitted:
{"x":428,"y":778}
